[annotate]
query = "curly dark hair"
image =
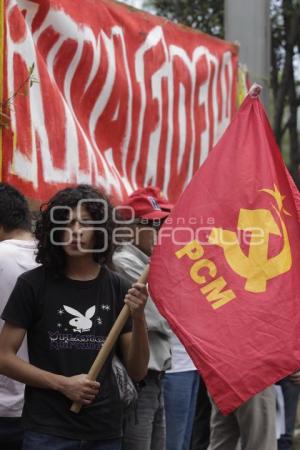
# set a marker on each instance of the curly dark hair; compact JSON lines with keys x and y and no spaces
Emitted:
{"x":14,"y":210}
{"x":53,"y":213}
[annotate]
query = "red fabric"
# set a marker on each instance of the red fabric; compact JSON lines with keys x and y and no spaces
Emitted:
{"x":155,"y":192}
{"x":142,"y":206}
{"x":253,"y":338}
{"x":124,"y":99}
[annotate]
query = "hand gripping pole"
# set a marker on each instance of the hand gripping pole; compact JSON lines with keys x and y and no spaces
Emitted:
{"x":110,"y":341}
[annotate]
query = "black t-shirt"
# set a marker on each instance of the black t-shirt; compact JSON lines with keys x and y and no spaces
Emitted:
{"x":67,"y":322}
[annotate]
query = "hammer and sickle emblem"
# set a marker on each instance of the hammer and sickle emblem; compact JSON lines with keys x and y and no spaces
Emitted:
{"x":257,"y":268}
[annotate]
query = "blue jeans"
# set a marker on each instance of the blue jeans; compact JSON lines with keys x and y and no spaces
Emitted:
{"x":180,"y":392}
{"x":291,"y":395}
{"x":41,"y":441}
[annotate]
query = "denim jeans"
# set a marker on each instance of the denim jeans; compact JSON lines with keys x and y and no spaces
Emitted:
{"x":291,"y":395}
{"x":144,"y":423}
{"x":41,"y":441}
{"x":180,"y":392}
{"x":201,"y":426}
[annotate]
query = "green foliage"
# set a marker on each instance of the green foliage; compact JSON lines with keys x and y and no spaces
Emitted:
{"x":23,"y":89}
{"x":205,"y":15}
{"x":208,"y":16}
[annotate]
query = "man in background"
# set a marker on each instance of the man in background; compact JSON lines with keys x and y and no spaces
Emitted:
{"x":17,"y":255}
{"x":253,"y":422}
{"x":144,"y":425}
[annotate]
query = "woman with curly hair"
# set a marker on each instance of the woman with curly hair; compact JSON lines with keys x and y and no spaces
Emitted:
{"x":67,"y":306}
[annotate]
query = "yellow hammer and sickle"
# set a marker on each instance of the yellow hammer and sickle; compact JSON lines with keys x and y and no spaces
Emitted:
{"x":256,"y":267}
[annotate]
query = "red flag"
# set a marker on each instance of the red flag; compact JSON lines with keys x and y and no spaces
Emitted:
{"x":226,"y":271}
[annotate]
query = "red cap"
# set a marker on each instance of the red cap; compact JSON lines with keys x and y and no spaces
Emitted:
{"x":156,"y":193}
{"x":144,"y":207}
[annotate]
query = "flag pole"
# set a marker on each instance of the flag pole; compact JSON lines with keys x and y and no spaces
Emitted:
{"x":110,"y":341}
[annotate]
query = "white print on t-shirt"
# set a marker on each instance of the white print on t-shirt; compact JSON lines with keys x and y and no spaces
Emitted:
{"x":81,"y":322}
{"x":71,"y":341}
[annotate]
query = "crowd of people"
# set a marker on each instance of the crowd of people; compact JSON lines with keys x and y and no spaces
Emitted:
{"x":63,"y":282}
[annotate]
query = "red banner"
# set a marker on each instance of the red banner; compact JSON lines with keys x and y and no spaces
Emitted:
{"x":123,"y":99}
{"x":225,"y":273}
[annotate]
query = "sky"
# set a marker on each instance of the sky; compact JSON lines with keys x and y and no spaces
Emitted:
{"x":139,"y":4}
{"x":135,"y":3}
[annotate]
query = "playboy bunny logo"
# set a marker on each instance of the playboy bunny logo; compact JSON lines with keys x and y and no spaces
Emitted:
{"x":80,"y":322}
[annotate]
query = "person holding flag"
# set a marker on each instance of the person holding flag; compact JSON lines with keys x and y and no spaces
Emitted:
{"x":68,"y":306}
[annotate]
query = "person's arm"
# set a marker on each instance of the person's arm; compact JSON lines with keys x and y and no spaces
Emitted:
{"x":131,"y":268}
{"x":155,"y":321}
{"x":134,"y":345}
{"x":127,"y":265}
{"x":295,"y":377}
{"x":77,"y":388}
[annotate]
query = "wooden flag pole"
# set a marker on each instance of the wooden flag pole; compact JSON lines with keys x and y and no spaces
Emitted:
{"x":110,"y":341}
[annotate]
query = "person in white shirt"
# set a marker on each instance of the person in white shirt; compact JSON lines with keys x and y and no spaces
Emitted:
{"x":17,"y":255}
